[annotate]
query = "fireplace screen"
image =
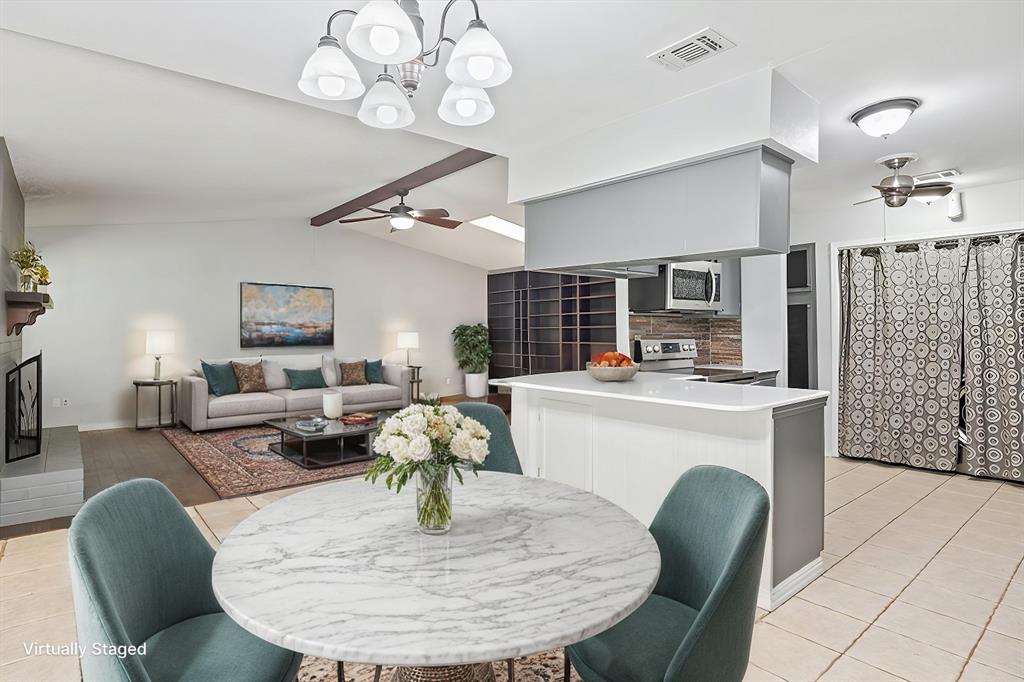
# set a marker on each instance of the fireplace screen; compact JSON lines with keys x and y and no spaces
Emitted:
{"x":24,"y":407}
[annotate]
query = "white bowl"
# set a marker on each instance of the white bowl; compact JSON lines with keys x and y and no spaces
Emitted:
{"x":612,"y":373}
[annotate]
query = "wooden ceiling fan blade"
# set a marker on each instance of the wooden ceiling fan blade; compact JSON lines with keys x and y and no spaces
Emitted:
{"x":377,"y":210}
{"x":440,"y":222}
{"x":359,"y":220}
{"x":429,"y":213}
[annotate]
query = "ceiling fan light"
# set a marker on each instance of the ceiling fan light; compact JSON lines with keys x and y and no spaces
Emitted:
{"x":401,"y":222}
{"x":882,"y":119}
{"x":385,"y":105}
{"x":384,"y":34}
{"x":928,"y":192}
{"x":330,"y":74}
{"x":478,"y":60}
{"x":462,"y":105}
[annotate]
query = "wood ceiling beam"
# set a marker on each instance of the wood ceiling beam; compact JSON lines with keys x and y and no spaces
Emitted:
{"x":452,"y":164}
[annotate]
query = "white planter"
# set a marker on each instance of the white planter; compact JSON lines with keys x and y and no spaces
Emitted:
{"x":476,"y":385}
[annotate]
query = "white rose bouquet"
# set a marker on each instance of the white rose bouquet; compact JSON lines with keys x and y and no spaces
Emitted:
{"x":433,"y":442}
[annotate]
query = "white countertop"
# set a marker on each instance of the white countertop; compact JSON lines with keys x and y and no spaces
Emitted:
{"x":340,"y":571}
{"x":668,"y":389}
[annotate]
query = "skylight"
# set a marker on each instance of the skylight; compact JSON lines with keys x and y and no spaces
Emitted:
{"x":502,"y":227}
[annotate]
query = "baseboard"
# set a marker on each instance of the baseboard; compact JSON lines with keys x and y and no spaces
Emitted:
{"x":778,"y":595}
{"x":103,"y":426}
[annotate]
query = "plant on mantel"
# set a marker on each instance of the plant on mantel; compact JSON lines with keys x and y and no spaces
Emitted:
{"x":33,"y":272}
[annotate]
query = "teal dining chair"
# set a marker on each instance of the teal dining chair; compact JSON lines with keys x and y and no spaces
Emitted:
{"x":698,"y":622}
{"x":141,"y":576}
{"x":502,"y":456}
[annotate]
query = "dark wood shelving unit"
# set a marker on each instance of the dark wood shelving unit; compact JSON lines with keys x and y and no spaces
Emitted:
{"x":545,"y":322}
{"x":23,"y":307}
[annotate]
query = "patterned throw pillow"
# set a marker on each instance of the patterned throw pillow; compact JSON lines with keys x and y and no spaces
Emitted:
{"x":250,"y":377}
{"x":353,"y":373}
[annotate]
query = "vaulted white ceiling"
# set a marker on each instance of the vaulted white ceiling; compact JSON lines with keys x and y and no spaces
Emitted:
{"x":577,"y":65}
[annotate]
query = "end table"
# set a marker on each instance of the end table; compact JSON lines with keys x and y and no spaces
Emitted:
{"x":415,"y":381}
{"x":159,"y":384}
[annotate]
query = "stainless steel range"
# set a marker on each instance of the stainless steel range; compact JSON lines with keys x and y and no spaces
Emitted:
{"x":676,"y":356}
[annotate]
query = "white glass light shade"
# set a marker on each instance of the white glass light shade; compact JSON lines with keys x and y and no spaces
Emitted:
{"x":402,"y":222}
{"x":462,"y":105}
{"x":383,"y":33}
{"x":159,"y":342}
{"x":478,"y":60}
{"x":408,"y":339}
{"x":885,"y":118}
{"x":334,"y":404}
{"x":330,"y":74}
{"x":385,"y":105}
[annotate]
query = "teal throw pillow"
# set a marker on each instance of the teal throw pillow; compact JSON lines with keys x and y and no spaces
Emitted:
{"x":375,"y":371}
{"x":221,"y":378}
{"x":305,"y":378}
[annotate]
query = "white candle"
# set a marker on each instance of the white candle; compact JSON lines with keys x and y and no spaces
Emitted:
{"x":333,"y":405}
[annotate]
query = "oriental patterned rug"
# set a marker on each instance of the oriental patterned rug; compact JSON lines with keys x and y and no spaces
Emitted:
{"x":239,"y":462}
{"x":545,"y":667}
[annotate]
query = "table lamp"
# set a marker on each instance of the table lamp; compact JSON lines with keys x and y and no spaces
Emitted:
{"x":408,"y":341}
{"x":159,"y":343}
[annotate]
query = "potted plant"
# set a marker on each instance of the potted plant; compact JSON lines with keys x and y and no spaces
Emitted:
{"x":27,"y":259}
{"x":43,"y":277}
{"x":473,"y":353}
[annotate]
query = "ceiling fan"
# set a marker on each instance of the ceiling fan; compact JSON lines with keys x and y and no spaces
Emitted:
{"x":895,"y":189}
{"x":402,"y":216}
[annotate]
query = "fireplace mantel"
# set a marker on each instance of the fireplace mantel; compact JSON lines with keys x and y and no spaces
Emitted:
{"x":23,"y":307}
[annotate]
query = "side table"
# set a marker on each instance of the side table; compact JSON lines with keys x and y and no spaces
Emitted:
{"x":159,"y":384}
{"x":415,"y":381}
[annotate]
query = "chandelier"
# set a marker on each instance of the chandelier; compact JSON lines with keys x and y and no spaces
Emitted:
{"x":390,"y":32}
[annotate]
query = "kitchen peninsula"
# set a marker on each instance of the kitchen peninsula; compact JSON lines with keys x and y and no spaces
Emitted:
{"x":630,"y":441}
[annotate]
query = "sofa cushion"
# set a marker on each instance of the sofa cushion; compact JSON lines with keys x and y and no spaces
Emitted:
{"x":370,"y":393}
{"x":329,"y":366}
{"x":244,"y":403}
{"x":353,"y":373}
{"x":375,"y":371}
{"x":304,"y":399}
{"x":220,"y":378}
{"x":250,"y":377}
{"x":273,"y":374}
{"x":305,"y":378}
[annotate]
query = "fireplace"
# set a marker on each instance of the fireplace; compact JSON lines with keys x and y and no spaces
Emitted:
{"x":24,"y":407}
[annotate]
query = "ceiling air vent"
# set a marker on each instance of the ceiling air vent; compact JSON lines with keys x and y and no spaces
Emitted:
{"x":692,"y":49}
{"x":937,"y":176}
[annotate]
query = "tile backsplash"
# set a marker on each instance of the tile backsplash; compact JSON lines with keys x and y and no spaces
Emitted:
{"x":719,"y":340}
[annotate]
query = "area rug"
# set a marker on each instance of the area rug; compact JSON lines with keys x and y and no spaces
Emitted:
{"x":239,"y":462}
{"x":545,"y":667}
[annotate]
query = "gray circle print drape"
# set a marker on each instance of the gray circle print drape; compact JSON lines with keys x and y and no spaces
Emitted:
{"x":930,"y":342}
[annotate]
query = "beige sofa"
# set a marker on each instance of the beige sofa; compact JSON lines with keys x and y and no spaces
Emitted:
{"x":200,"y":410}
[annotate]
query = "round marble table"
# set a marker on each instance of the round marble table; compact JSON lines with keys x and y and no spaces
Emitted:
{"x":340,"y":571}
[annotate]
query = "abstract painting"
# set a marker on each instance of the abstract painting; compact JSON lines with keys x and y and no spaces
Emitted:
{"x":286,"y":315}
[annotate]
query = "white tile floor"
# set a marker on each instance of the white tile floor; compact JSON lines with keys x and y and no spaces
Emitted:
{"x":924,"y":582}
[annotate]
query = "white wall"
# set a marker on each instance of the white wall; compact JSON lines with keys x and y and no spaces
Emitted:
{"x":999,"y":205}
{"x":112,"y":283}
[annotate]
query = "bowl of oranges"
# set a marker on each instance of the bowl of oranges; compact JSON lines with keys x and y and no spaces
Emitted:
{"x":612,"y":366}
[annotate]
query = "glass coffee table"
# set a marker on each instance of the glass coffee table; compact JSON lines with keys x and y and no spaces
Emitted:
{"x":325,"y":448}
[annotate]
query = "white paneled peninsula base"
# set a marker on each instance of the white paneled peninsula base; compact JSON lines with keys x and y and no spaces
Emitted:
{"x":629,"y":441}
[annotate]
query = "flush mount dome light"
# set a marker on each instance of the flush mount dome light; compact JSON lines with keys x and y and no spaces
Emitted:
{"x":882,"y":119}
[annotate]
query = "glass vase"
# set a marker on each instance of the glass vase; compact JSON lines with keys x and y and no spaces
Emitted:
{"x":434,"y":499}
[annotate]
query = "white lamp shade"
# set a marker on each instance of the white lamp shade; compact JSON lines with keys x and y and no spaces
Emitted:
{"x":159,"y":342}
{"x":330,"y":74}
{"x":463,"y":105}
{"x":478,"y":60}
{"x":408,"y":339}
{"x":383,"y":33}
{"x":386,"y":106}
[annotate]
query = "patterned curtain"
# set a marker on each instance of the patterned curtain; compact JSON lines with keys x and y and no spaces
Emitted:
{"x":994,"y":360}
{"x":900,"y":366}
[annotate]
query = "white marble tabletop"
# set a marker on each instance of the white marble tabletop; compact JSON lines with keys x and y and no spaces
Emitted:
{"x":340,"y":571}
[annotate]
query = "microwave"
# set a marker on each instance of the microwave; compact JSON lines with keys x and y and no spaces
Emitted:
{"x":694,"y":286}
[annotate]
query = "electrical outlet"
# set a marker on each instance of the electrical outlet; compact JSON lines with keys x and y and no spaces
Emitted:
{"x":66,"y":402}
{"x":56,"y":402}
{"x":448,"y":380}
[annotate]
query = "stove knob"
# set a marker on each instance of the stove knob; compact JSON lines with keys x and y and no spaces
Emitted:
{"x":649,"y":349}
{"x":657,"y":349}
